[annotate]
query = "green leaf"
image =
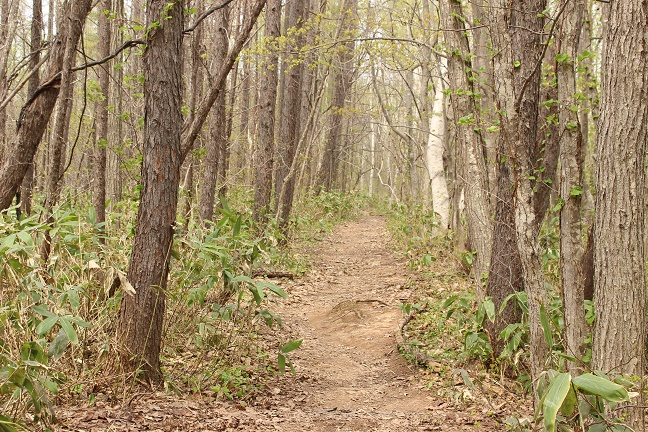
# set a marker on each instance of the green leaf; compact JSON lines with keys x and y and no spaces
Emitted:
{"x":569,"y":404}
{"x":42,"y":310}
{"x":274,"y":288}
{"x":281,"y":360}
{"x":546,"y":329}
{"x":69,"y":330}
{"x":58,"y":345}
{"x":517,"y":64}
{"x":46,"y":325}
{"x":6,"y":425}
{"x":489,"y":307}
{"x":553,"y":400}
{"x":237,"y":227}
{"x":595,"y":385}
{"x":576,"y":191}
{"x":291,"y":346}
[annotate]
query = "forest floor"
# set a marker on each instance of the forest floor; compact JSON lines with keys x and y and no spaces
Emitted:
{"x":349,"y":373}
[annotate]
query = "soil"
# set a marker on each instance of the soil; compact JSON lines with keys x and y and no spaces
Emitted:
{"x":349,"y":373}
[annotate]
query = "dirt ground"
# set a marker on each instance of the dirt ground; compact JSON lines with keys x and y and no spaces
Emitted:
{"x":350,"y":376}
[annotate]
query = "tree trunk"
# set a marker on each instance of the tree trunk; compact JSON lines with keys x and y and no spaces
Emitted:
{"x":38,"y":108}
{"x":195,"y":93}
{"x":142,"y":311}
{"x":571,"y":189}
{"x":328,"y":173}
{"x":619,"y":223}
{"x":217,"y":130}
{"x":516,"y":36}
{"x":60,"y":130}
{"x":35,"y":46}
{"x":292,"y":105}
{"x":101,"y":117}
{"x":470,"y":140}
{"x":114,"y":178}
{"x":8,"y":22}
{"x":267,"y":103}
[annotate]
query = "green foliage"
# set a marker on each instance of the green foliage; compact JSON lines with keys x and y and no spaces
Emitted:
{"x":472,"y":323}
{"x":581,"y":401}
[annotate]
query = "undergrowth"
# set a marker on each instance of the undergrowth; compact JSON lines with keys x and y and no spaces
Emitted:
{"x":447,"y":334}
{"x":221,"y":335}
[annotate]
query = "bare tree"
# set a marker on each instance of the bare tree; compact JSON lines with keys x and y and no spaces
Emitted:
{"x":36,"y":112}
{"x":571,"y":189}
{"x":142,"y":309}
{"x":218,"y":138}
{"x":35,"y":47}
{"x":267,"y":101}
{"x":291,"y":110}
{"x":470,"y":140}
{"x":327,"y":177}
{"x":101,"y":116}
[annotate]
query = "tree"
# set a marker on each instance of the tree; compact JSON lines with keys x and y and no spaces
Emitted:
{"x":291,"y":111}
{"x":267,"y":102}
{"x":142,"y":309}
{"x":101,"y":120}
{"x":470,"y":139}
{"x":35,"y":47}
{"x":218,"y":138}
{"x":327,"y":176}
{"x":571,"y":163}
{"x":517,"y":78}
{"x":36,"y":112}
{"x":60,"y":130}
{"x":618,"y":345}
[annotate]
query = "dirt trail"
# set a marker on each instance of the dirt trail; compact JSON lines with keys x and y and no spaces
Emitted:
{"x":348,"y":315}
{"x":350,"y":376}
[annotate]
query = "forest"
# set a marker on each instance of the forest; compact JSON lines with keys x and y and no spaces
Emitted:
{"x":363,"y":215}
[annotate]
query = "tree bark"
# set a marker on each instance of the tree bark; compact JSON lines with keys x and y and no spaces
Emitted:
{"x":27,"y":185}
{"x":142,"y":312}
{"x":37,"y":110}
{"x":267,"y":102}
{"x":571,"y":189}
{"x":217,"y":131}
{"x":619,"y":223}
{"x":101,"y":117}
{"x":478,"y":211}
{"x":291,"y":110}
{"x":327,"y":176}
{"x":516,"y":36}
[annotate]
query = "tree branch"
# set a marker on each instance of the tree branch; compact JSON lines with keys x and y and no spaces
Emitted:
{"x":204,"y":15}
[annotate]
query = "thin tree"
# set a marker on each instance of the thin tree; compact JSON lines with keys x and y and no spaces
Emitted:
{"x":218,"y":127}
{"x":470,"y":139}
{"x":291,"y":110}
{"x":35,"y":47}
{"x":571,"y":176}
{"x":142,"y":309}
{"x":101,"y":116}
{"x":328,"y":176}
{"x":267,"y":102}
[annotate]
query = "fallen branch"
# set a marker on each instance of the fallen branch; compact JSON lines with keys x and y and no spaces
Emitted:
{"x":273,"y":274}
